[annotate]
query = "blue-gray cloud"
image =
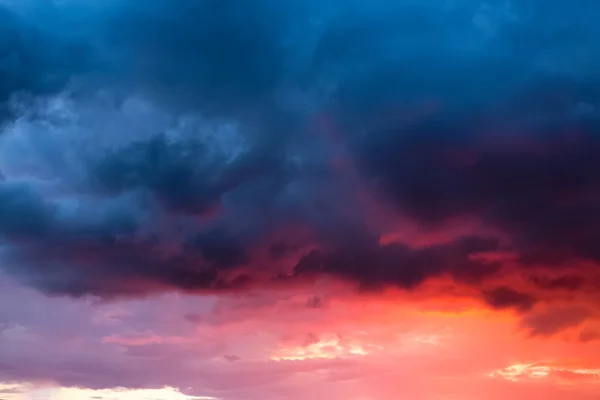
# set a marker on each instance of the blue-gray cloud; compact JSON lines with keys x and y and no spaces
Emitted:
{"x":196,"y":145}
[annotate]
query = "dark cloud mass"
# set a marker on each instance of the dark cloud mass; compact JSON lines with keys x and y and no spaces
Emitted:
{"x":504,"y":297}
{"x":220,"y":144}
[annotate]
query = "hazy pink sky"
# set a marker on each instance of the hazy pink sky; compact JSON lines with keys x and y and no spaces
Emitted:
{"x":289,"y":345}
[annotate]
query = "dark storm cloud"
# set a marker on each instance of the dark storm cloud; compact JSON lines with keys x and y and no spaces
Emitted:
{"x":541,"y":187}
{"x":398,"y":264}
{"x":170,"y":171}
{"x":178,"y":144}
{"x":219,"y":54}
{"x":504,"y":297}
{"x":566,"y":282}
{"x":35,"y":60}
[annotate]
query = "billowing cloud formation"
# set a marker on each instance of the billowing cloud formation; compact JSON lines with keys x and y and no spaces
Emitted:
{"x":154,"y":145}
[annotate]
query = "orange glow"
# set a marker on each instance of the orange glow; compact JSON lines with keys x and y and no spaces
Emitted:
{"x":328,"y":347}
{"x":562,"y":375}
{"x":425,"y":345}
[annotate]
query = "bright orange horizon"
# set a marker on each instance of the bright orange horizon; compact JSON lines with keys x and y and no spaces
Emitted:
{"x":275,"y":345}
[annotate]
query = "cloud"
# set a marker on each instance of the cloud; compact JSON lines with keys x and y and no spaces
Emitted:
{"x":552,"y":321}
{"x":401,"y":265}
{"x":566,"y":282}
{"x":588,"y":335}
{"x":504,"y":297}
{"x":35,"y":59}
{"x":228,"y":145}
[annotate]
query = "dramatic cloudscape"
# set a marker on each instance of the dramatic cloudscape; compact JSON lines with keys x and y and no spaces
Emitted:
{"x":299,"y":199}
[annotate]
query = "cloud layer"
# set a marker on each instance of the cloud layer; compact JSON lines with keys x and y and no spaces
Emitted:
{"x":223,"y":145}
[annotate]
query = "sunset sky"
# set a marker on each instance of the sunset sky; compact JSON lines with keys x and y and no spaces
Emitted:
{"x":299,"y":199}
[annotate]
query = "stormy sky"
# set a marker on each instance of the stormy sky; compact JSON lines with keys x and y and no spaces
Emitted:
{"x":444,"y":150}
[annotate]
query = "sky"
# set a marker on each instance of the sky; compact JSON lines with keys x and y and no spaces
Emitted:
{"x":301,"y":199}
